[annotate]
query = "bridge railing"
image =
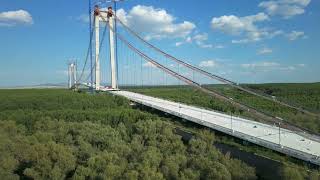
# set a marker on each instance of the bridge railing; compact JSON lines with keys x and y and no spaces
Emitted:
{"x":253,"y":139}
{"x":221,"y":114}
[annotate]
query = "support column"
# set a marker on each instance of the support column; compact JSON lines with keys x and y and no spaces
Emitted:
{"x":113,"y":59}
{"x":72,"y":75}
{"x":74,"y":71}
{"x":97,"y":52}
{"x":69,"y":77}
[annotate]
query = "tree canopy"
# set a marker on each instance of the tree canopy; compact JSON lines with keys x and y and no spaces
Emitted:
{"x":57,"y":134}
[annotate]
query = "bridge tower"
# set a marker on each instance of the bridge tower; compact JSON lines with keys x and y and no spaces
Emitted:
{"x":113,"y":60}
{"x":72,"y":75}
{"x":97,"y":49}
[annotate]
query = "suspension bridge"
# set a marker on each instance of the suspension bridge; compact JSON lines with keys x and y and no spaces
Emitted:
{"x":136,"y":62}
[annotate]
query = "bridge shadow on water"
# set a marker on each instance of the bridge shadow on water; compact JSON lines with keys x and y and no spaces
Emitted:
{"x":265,"y":168}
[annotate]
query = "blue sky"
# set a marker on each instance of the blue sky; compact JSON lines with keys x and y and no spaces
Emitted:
{"x":244,"y":40}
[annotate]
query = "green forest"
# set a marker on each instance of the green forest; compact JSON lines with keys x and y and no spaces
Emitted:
{"x":61,"y":134}
{"x":302,"y":95}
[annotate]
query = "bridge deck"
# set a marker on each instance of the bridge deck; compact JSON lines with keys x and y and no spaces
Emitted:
{"x":265,"y":135}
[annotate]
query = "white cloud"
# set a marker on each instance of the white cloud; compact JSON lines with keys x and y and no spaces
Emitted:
{"x":267,"y":66}
{"x":259,"y":35}
{"x":201,"y":37}
{"x":172,"y":65}
{"x":179,"y":43}
{"x":300,"y":65}
{"x":200,"y":40}
{"x":241,"y":41}
{"x":236,"y":25}
{"x":248,"y":27}
{"x":219,"y":46}
{"x":244,"y":26}
{"x":205,"y":45}
{"x":209,"y":63}
{"x":265,"y":51}
{"x":13,"y":18}
{"x":83,"y":17}
{"x":189,"y":39}
{"x":288,"y":68}
{"x":299,"y":2}
{"x":294,"y":35}
{"x":122,"y":15}
{"x":155,"y":23}
{"x":149,"y":65}
{"x":293,"y":67}
{"x":285,"y":8}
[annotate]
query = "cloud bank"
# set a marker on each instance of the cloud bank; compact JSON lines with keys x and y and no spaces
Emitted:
{"x":14,"y":18}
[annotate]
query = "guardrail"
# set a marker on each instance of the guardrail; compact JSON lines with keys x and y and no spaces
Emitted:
{"x":256,"y":140}
{"x":222,"y":114}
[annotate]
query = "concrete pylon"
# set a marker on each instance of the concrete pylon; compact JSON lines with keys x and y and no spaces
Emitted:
{"x":97,"y":52}
{"x":113,"y":59}
{"x":72,"y":75}
{"x":69,"y":77}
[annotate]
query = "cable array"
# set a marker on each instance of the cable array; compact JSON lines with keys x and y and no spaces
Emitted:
{"x":255,"y":112}
{"x":213,"y":76}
